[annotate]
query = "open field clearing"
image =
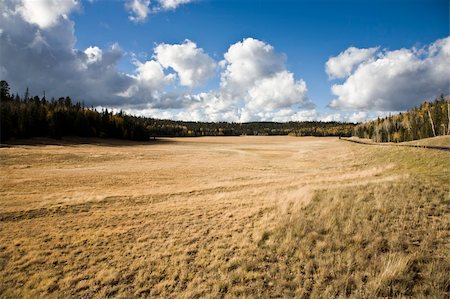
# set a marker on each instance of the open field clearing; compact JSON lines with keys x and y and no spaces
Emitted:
{"x":224,"y":217}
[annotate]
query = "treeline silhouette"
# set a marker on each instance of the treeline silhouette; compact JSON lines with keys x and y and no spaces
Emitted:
{"x":31,"y":116}
{"x":427,"y":120}
{"x":315,"y":128}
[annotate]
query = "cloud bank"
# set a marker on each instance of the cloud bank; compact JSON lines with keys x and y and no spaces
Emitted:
{"x":40,"y":54}
{"x":254,"y":85}
{"x":390,"y":80}
{"x":37,"y":50}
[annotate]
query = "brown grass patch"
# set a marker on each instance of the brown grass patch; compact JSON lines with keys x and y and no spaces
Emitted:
{"x":224,"y":217}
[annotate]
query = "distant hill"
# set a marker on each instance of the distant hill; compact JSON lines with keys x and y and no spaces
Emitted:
{"x":430,"y":119}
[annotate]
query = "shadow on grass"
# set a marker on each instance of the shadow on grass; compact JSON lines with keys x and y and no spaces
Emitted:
{"x":75,"y":141}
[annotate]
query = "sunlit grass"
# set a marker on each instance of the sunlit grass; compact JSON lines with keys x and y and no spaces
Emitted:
{"x":251,"y":217}
{"x":433,"y":141}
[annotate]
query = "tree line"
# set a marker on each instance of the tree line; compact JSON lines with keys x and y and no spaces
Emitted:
{"x":31,"y":116}
{"x":427,"y":120}
{"x":331,"y":128}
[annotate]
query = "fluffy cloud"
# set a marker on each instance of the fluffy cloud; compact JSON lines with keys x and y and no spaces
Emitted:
{"x":151,"y":74}
{"x":248,"y":61}
{"x":192,"y":65}
{"x":357,"y":117}
{"x":278,"y":91}
{"x":45,"y":13}
{"x":255,"y":79}
{"x":94,"y":54}
{"x":255,"y":83}
{"x":147,"y":88}
{"x":172,"y":4}
{"x":396,"y":80}
{"x":138,"y":9}
{"x":342,"y":65}
{"x":44,"y":58}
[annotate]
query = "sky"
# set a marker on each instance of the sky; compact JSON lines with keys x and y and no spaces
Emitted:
{"x":230,"y":60}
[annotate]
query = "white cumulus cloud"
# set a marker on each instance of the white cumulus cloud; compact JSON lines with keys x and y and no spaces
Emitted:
{"x":152,"y":74}
{"x":396,"y":80}
{"x":277,"y":91}
{"x":93,"y":54}
{"x":138,"y":9}
{"x":172,"y":4}
{"x":255,"y":79}
{"x":45,"y":13}
{"x":248,"y":61}
{"x":255,"y":83}
{"x":342,"y":65}
{"x":150,"y":81}
{"x":46,"y":59}
{"x":191,"y":63}
{"x":255,"y":86}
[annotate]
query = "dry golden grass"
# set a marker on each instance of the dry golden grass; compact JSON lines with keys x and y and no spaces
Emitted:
{"x":224,"y":217}
{"x":443,"y":141}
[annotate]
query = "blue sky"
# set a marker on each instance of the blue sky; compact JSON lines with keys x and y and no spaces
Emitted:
{"x":307,"y":33}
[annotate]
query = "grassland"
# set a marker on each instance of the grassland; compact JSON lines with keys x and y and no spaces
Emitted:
{"x":440,"y":141}
{"x":224,"y":217}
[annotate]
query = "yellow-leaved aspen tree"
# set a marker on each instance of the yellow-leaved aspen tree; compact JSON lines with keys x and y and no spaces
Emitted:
{"x":448,"y":114}
{"x":431,"y":121}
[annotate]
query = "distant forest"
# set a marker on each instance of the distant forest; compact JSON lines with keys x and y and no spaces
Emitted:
{"x":31,"y":116}
{"x":427,"y":120}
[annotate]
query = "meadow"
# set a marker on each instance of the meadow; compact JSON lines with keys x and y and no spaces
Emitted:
{"x":216,"y":217}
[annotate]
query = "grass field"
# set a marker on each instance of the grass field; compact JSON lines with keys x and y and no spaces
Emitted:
{"x":224,"y":217}
{"x":442,"y":141}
